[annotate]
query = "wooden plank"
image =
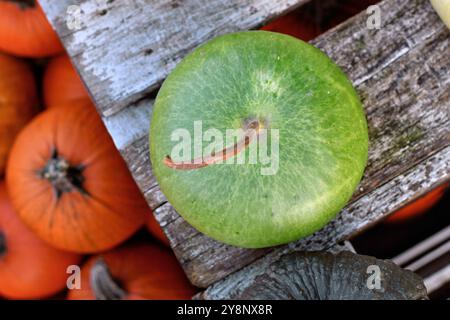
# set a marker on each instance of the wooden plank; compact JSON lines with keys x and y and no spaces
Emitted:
{"x":402,"y":74}
{"x":147,"y":36}
{"x":403,"y":188}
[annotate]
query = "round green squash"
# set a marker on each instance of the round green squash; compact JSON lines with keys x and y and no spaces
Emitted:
{"x":316,"y":139}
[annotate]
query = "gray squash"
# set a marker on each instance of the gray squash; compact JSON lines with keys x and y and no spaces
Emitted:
{"x":342,"y":276}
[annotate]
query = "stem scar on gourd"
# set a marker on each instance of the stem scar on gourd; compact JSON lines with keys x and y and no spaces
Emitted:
{"x":252,"y":128}
{"x":103,"y":284}
{"x":63,"y":176}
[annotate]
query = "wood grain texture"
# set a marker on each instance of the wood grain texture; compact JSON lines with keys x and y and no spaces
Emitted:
{"x":401,"y":72}
{"x":148,"y":37}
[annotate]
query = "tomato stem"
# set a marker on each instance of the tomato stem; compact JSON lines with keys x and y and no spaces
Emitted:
{"x":3,"y":247}
{"x":251,"y":129}
{"x":104,"y":286}
{"x":63,"y":176}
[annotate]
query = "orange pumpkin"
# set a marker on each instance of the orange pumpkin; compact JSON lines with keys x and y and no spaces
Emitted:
{"x":18,"y":101}
{"x":295,"y":24}
{"x":61,"y":84}
{"x":69,"y":183}
{"x":137,"y":272}
{"x":316,"y":17}
{"x":25,"y":31}
{"x":155,"y":230}
{"x":418,"y":207}
{"x":29,"y":268}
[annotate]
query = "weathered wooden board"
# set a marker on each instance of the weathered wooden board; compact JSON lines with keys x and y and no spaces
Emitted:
{"x":125,"y":48}
{"x":401,"y":72}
